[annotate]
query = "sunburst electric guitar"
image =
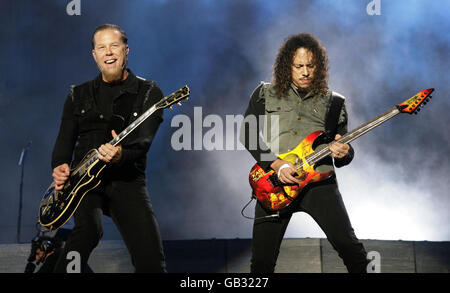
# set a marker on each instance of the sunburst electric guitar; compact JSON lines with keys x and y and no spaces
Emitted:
{"x":275,"y":196}
{"x":57,"y":207}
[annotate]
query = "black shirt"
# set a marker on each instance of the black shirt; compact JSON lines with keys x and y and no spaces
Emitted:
{"x":110,"y":96}
{"x":94,"y":108}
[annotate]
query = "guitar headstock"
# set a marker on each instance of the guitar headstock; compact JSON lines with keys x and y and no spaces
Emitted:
{"x":175,"y":97}
{"x":412,"y":104}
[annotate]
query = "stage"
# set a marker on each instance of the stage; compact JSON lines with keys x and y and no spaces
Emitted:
{"x":306,"y":255}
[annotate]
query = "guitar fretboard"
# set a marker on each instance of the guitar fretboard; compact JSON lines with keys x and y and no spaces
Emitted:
{"x":354,"y":134}
{"x":132,"y":126}
{"x":92,"y":157}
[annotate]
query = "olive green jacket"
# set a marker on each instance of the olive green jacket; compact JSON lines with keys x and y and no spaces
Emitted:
{"x":288,"y":120}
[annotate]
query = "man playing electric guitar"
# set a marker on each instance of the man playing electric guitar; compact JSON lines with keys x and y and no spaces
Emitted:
{"x":88,"y":122}
{"x":295,"y":104}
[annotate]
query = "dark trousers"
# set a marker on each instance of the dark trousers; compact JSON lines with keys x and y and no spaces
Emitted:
{"x":324,"y":204}
{"x":129,"y":206}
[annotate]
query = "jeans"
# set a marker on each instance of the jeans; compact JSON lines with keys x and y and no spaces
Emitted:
{"x":128,"y":204}
{"x":324,"y":204}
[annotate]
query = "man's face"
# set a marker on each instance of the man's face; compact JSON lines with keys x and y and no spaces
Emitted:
{"x":110,"y":54}
{"x":303,"y":68}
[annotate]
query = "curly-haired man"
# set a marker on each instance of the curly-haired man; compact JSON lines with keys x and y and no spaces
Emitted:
{"x":299,"y":98}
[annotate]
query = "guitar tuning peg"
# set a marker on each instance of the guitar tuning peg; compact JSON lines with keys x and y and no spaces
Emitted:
{"x":187,"y":98}
{"x":171,"y":107}
{"x":179,"y":103}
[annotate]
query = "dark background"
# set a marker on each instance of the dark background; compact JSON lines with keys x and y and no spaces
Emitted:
{"x":396,"y":187}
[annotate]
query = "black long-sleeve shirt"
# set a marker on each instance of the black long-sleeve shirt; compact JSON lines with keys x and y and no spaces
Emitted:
{"x":94,"y":108}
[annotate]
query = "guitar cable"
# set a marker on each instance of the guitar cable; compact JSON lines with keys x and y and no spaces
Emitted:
{"x":277,"y":215}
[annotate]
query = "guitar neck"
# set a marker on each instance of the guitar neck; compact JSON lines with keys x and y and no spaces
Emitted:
{"x":168,"y":101}
{"x":354,"y":134}
{"x":92,"y":157}
{"x":133,"y":126}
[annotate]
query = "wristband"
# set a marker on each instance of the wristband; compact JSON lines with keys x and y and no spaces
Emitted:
{"x":281,"y":168}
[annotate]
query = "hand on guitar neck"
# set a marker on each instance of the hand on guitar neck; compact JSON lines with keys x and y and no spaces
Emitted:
{"x":106,"y":153}
{"x":109,"y":153}
{"x":338,"y":150}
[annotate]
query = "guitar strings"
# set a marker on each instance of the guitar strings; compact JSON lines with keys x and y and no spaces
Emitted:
{"x":350,"y":136}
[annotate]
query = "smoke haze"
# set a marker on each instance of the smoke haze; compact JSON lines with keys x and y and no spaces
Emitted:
{"x":395,"y":188}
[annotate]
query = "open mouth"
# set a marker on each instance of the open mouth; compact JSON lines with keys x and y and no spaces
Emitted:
{"x":110,"y":61}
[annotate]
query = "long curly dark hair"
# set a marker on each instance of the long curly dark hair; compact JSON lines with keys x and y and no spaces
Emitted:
{"x":282,"y":73}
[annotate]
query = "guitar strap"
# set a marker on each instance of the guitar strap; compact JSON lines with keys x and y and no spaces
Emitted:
{"x":333,"y":113}
{"x":146,"y":87}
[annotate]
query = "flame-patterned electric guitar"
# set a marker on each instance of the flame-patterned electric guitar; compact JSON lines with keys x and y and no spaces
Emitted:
{"x":275,"y":196}
{"x":57,"y":207}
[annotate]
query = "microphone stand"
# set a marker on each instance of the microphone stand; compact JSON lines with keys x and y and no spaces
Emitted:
{"x":22,"y":164}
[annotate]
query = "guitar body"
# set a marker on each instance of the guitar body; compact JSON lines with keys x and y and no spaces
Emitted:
{"x":57,"y":207}
{"x":274,"y":195}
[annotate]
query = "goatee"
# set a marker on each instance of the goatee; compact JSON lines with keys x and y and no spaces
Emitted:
{"x":113,"y":76}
